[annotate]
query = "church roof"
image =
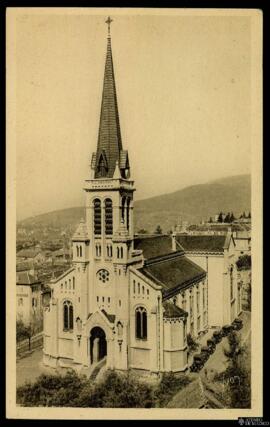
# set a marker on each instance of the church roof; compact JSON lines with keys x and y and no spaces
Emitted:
{"x":174,"y":274}
{"x":212,"y":243}
{"x":154,"y":246}
{"x":171,"y":310}
{"x":109,"y":147}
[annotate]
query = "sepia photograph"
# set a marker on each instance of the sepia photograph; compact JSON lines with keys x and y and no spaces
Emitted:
{"x":134,"y":213}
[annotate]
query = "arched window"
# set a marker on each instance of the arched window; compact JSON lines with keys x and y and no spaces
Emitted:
{"x":139,"y":288}
{"x":141,"y":323}
{"x":97,"y":217}
{"x":73,"y":279}
{"x":110,"y":251}
{"x":143,"y":290}
{"x":69,"y":283}
{"x":127,"y":216}
{"x":80,"y":251}
{"x":134,"y":286}
{"x":121,"y":252}
{"x":117,"y":252}
{"x":77,"y":247}
{"x":68,"y":315}
{"x":108,"y":217}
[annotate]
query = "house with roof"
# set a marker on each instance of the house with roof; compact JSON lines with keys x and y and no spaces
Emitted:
{"x":216,"y":255}
{"x":128,"y":300}
{"x":28,"y":297}
{"x":35,"y":255}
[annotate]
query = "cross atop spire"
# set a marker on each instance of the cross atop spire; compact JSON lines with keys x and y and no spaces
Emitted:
{"x":108,"y":21}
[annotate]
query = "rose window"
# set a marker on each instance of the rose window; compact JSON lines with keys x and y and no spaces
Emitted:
{"x":103,"y":276}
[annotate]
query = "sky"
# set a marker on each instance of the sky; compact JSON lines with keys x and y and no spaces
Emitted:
{"x":184,"y":96}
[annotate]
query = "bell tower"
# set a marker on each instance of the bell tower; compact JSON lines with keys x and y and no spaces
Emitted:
{"x":109,"y":191}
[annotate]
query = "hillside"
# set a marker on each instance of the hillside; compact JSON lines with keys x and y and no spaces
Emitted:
{"x":192,"y":203}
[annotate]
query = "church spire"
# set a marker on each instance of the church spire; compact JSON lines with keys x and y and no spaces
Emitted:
{"x":109,"y":148}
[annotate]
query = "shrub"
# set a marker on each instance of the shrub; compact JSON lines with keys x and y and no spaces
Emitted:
{"x":191,"y":343}
{"x":169,"y":385}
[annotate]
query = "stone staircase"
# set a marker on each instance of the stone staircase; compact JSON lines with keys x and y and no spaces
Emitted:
{"x":97,"y":369}
{"x":93,"y":371}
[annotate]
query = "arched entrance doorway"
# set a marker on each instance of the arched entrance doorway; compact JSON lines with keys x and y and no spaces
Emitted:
{"x":98,"y":344}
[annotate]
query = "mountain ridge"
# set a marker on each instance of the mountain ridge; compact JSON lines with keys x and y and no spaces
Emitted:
{"x":193,"y":203}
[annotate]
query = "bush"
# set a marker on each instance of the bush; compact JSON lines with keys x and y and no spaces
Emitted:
{"x":191,"y":343}
{"x":169,"y":385}
{"x":115,"y":391}
{"x":244,"y":261}
{"x":51,"y":390}
{"x":239,"y":390}
{"x":75,"y":391}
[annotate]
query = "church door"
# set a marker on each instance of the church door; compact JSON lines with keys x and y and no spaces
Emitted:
{"x":98,"y":344}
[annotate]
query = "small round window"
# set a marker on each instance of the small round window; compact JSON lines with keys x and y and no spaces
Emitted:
{"x":103,"y":275}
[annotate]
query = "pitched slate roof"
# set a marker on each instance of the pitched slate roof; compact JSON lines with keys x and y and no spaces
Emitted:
{"x":174,"y":274}
{"x":154,"y":246}
{"x":172,"y":310}
{"x":25,"y":278}
{"x":192,"y":243}
{"x":109,"y":148}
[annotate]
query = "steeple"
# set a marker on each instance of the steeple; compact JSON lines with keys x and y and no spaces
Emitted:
{"x":109,"y":148}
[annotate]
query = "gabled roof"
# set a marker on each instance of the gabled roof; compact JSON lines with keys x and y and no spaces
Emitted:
{"x":207,"y":243}
{"x":174,"y":274}
{"x":171,"y":310}
{"x":25,"y":278}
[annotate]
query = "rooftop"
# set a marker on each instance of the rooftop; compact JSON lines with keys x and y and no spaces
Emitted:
{"x":28,"y":253}
{"x":174,"y":274}
{"x":171,"y":310}
{"x":25,"y":278}
{"x":191,"y":243}
{"x":154,"y":246}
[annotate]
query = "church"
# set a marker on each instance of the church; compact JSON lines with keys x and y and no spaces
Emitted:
{"x":127,"y":301}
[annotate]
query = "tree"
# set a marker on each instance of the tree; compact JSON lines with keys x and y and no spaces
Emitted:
{"x":22,"y":331}
{"x":191,"y":343}
{"x":210,"y":220}
{"x":232,"y":217}
{"x":244,"y":262}
{"x":158,"y":230}
{"x":227,"y":218}
{"x":220,"y":217}
{"x":236,"y":376}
